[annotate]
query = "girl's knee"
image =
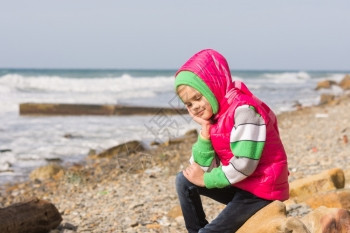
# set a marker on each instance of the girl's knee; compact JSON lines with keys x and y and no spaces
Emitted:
{"x":181,"y":181}
{"x":179,"y":178}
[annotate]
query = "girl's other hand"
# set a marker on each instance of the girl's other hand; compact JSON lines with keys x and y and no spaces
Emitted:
{"x":195,"y":174}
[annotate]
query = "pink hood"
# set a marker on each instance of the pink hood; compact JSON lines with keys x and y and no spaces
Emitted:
{"x":213,"y":69}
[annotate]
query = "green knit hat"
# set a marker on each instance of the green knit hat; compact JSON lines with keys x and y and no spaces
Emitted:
{"x":191,"y":79}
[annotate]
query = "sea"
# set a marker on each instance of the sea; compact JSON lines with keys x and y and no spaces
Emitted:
{"x":27,"y":142}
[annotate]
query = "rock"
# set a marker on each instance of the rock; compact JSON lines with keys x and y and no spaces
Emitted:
{"x":345,"y":82}
{"x":122,"y":149}
{"x":33,"y":216}
{"x":296,"y":210}
{"x":92,"y":152}
{"x":297,"y":105}
{"x":272,"y":219}
{"x":140,"y":110}
{"x":65,"y":109}
{"x":55,"y":231}
{"x":347,"y":178}
{"x":273,"y":216}
{"x":173,"y":141}
{"x":294,"y":225}
{"x":71,"y":136}
{"x":327,"y":220}
{"x":155,"y":143}
{"x":5,"y":150}
{"x":153,"y":226}
{"x":321,"y":220}
{"x":93,"y":109}
{"x":192,"y":133}
{"x":289,"y":202}
{"x":180,"y":220}
{"x":45,"y":172}
{"x":326,"y":99}
{"x":54,"y":160}
{"x":325,"y":84}
{"x":333,"y":199}
{"x":302,"y":189}
{"x":175,"y":212}
{"x":6,"y":167}
{"x":67,"y":226}
{"x":59,"y":175}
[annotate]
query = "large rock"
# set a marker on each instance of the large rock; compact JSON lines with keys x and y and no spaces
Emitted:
{"x":33,"y":216}
{"x":327,"y":220}
{"x":325,"y":84}
{"x":65,"y":109}
{"x":120,"y":150}
{"x":345,"y":82}
{"x":190,"y":136}
{"x":272,"y":219}
{"x":333,"y":199}
{"x":273,"y":216}
{"x":94,"y":109}
{"x":327,"y":99}
{"x":302,"y":189}
{"x":46,"y":172}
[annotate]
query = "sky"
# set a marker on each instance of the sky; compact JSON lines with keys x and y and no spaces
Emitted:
{"x":163,"y":34}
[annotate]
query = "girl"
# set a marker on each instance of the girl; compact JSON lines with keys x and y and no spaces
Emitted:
{"x":239,"y":159}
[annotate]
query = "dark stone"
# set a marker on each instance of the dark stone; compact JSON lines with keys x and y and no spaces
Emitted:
{"x":33,"y":216}
{"x":5,"y":150}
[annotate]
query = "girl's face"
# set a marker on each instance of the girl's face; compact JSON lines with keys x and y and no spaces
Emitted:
{"x":195,"y":102}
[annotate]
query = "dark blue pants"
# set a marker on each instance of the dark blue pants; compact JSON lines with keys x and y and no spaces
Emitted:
{"x":240,"y":206}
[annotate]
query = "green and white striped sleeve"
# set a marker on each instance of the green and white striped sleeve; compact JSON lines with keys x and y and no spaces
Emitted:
{"x":247,"y":142}
{"x":203,"y":153}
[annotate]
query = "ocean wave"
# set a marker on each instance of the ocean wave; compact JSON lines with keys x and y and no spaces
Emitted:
{"x":104,"y":84}
{"x":287,"y":77}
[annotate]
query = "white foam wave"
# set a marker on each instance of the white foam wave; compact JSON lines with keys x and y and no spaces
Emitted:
{"x":15,"y":89}
{"x":5,"y":89}
{"x":288,"y":77}
{"x":81,"y":85}
{"x":6,"y":161}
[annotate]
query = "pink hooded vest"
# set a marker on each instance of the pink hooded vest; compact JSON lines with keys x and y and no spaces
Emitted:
{"x":270,"y":179}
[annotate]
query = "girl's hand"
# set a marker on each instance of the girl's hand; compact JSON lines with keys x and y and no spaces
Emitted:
{"x":204,"y":123}
{"x":195,"y":174}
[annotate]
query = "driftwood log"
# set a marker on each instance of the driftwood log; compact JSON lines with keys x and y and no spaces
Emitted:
{"x":33,"y":216}
{"x":93,"y":109}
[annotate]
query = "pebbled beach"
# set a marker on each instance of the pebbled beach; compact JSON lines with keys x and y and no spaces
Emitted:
{"x":136,"y":193}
